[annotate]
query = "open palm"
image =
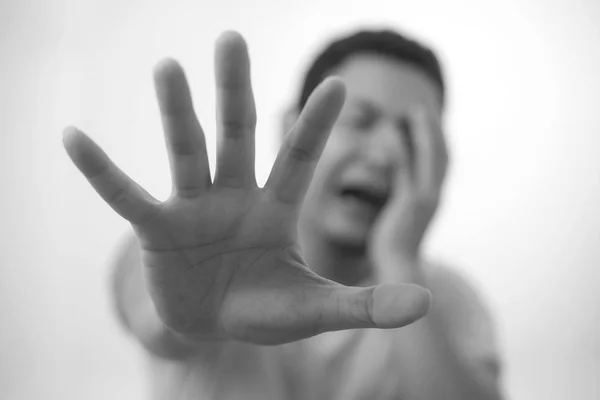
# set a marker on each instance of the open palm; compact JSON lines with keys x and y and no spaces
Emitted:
{"x":221,"y":258}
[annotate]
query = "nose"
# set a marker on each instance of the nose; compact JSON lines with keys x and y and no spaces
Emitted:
{"x":385,"y":147}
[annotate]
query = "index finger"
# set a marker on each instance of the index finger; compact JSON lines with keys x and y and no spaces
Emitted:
{"x":302,"y":148}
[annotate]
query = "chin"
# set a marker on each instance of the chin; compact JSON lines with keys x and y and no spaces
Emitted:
{"x":345,"y":232}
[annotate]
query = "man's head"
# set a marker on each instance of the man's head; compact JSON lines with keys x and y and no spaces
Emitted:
{"x":386,"y":75}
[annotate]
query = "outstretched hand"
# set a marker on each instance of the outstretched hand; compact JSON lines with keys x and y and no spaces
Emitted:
{"x":221,"y":258}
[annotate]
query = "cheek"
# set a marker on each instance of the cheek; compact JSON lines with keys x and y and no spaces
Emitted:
{"x":332,"y":157}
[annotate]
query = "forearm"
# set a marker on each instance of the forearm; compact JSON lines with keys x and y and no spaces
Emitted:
{"x":429,"y":366}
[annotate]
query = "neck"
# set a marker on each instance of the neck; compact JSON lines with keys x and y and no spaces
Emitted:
{"x":345,"y":264}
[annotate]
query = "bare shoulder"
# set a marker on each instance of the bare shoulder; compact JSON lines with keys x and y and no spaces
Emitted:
{"x":468,"y":319}
{"x":452,"y":286}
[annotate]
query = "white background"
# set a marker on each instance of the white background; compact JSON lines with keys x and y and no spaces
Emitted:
{"x":521,"y":213}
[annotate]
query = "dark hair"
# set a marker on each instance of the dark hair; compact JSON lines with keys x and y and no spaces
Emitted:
{"x":382,"y":42}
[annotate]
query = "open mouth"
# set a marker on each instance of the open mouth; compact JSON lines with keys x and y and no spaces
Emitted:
{"x":366,"y":196}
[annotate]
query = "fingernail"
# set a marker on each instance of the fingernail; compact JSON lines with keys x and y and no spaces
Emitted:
{"x":397,"y":305}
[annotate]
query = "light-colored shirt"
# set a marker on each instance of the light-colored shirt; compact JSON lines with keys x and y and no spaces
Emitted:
{"x":348,"y":365}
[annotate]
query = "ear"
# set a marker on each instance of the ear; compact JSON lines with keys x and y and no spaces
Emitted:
{"x":288,"y":120}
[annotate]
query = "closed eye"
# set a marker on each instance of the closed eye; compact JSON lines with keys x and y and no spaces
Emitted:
{"x":360,"y":116}
{"x":363,"y":122}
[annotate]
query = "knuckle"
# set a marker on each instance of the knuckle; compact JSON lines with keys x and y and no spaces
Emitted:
{"x":299,"y":154}
{"x":96,"y":172}
{"x":118,"y":197}
{"x":233,"y":129}
{"x":236,"y":129}
{"x":365,"y":308}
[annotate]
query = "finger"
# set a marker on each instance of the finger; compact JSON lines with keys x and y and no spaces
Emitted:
{"x":407,"y":146}
{"x":431,"y":156}
{"x":296,"y":161}
{"x":384,"y":306}
{"x":184,"y":138}
{"x":404,"y":178}
{"x":236,"y":113}
{"x":125,"y":196}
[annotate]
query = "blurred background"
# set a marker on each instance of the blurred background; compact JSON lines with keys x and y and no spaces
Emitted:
{"x":520,"y":215}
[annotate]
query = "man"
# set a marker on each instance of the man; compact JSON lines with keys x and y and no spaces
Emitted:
{"x":229,"y":308}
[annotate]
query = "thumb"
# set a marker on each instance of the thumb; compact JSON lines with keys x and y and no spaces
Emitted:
{"x":383,"y":306}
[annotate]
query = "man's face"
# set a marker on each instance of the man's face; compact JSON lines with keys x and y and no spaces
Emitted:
{"x":367,"y":146}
